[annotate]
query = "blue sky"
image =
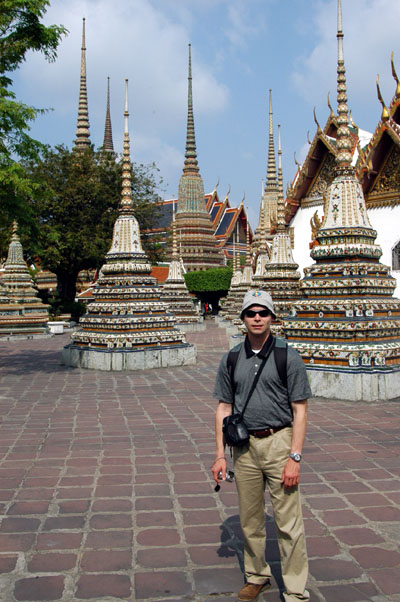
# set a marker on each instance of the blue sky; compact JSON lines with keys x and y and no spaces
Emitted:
{"x":240,"y":49}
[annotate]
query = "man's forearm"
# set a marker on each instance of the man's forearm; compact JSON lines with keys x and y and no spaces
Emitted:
{"x":223,"y":410}
{"x":219,"y":466}
{"x":299,"y":425}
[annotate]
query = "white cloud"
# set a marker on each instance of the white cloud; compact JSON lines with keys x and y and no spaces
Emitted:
{"x":128,"y":38}
{"x":370,"y":28}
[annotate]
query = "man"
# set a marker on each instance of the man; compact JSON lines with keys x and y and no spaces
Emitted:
{"x":276,"y":419}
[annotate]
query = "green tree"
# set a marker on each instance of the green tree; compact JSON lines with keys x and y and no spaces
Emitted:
{"x":21,"y":30}
{"x":76,"y":205}
{"x":209,"y":285}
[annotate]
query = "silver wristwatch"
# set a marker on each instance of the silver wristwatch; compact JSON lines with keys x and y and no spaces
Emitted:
{"x":295,"y":456}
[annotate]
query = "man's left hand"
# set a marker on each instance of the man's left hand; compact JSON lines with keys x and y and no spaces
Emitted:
{"x":291,"y":474}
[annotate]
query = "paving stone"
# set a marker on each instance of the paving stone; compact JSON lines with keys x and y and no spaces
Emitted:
{"x":161,"y":558}
{"x":159,"y":583}
{"x":22,"y":508}
{"x":373,"y":557}
{"x":111,"y":521}
{"x":103,"y":586}
{"x":159,"y":519}
{"x":73,"y":506}
{"x":351,"y":592}
{"x":16,"y":542}
{"x":63,"y":522}
{"x":7,"y":563}
{"x":58,"y":541}
{"x":15,"y":525}
{"x":158,"y":537}
{"x":331,"y":569}
{"x":322,"y":546}
{"x":52,"y":563}
{"x":106,"y":561}
{"x":210,"y":581}
{"x":388,"y":580}
{"x":382,"y":513}
{"x":109,"y":539}
{"x":39,"y":588}
{"x":342,"y":517}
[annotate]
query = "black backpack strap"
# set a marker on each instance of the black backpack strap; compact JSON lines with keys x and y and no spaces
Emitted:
{"x":231,"y":362}
{"x":280,"y":354}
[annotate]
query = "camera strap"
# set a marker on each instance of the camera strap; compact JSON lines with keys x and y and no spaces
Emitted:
{"x":256,"y":378}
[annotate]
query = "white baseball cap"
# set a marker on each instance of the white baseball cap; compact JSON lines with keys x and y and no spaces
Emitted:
{"x":257,"y":297}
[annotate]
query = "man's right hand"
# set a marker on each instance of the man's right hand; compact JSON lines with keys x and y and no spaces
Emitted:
{"x":219,"y":466}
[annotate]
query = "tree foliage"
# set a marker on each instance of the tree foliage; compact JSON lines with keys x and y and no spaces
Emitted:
{"x":209,"y":285}
{"x":214,"y":279}
{"x":76,"y":205}
{"x":21,"y":31}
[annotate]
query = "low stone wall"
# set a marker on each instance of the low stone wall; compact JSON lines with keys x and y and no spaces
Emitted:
{"x":121,"y":360}
{"x":355,"y":386}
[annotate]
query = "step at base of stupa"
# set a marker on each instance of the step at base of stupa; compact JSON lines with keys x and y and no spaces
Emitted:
{"x":125,"y":360}
{"x":360,"y":385}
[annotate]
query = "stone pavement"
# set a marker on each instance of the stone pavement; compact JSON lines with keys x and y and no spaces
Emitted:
{"x":106,"y":492}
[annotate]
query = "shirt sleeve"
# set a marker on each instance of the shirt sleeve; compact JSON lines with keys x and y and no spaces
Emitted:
{"x":298,"y":385}
{"x":222,"y":388}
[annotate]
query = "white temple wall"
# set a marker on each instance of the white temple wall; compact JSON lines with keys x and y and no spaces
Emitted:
{"x":386,"y":220}
{"x":303,"y":235}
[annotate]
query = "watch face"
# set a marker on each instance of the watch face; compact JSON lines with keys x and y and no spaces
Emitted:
{"x":296,"y":457}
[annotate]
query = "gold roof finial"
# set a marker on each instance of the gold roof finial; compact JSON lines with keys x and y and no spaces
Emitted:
{"x":330,"y":107}
{"x":228,"y":193}
{"x":385,"y":113}
{"x":397,"y":94}
{"x":319,"y":130}
{"x":216,"y":186}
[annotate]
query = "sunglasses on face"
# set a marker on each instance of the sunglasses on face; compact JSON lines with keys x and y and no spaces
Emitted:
{"x":263,"y":313}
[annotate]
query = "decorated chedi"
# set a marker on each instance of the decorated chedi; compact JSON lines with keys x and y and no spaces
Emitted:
{"x":197,"y":241}
{"x":269,"y":200}
{"x":246,"y":283}
{"x":281,"y":277}
{"x":236,"y":279}
{"x":82,"y":140}
{"x":22,"y":312}
{"x":264,"y":253}
{"x":347,"y":329}
{"x":127,"y":326}
{"x":176,"y":295}
{"x":108,"y":145}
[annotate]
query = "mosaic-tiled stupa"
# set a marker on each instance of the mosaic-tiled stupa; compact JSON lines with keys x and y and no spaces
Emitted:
{"x":22,"y":312}
{"x":268,"y":205}
{"x":347,"y":329}
{"x":198,"y":244}
{"x":246,"y":283}
{"x":281,"y":277}
{"x":236,"y":279}
{"x":127,"y":327}
{"x":82,"y":140}
{"x":176,"y":295}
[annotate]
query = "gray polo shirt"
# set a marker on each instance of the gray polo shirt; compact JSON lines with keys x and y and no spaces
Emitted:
{"x":270,"y":403}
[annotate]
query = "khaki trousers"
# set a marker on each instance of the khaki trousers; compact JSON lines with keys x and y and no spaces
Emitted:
{"x":256,"y":464}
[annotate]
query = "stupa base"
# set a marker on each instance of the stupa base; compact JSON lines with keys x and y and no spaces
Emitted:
{"x":128,"y":359}
{"x":191,"y":326}
{"x":361,"y":385}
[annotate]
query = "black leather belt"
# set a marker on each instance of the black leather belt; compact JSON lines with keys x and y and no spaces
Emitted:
{"x":267,"y":432}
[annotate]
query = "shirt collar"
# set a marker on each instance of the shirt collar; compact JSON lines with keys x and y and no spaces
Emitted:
{"x":263,"y":351}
